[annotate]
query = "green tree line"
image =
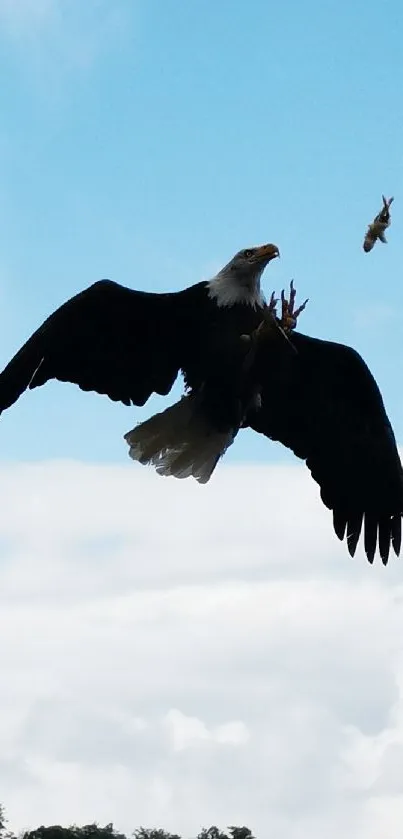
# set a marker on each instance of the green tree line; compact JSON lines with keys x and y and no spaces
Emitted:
{"x":94,"y":831}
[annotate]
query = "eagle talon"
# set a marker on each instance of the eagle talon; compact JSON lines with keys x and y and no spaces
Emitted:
{"x":272,"y":307}
{"x":289,"y":317}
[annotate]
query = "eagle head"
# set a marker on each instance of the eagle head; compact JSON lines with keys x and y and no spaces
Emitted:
{"x":239,"y":280}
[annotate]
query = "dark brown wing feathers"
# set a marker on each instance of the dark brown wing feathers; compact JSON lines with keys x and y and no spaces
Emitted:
{"x":324,"y":404}
{"x":108,"y":339}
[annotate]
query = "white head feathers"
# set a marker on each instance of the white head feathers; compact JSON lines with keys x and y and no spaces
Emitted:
{"x":239,"y":280}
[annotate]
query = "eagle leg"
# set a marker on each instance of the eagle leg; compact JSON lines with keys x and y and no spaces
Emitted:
{"x":290,"y":315}
{"x":268,"y":322}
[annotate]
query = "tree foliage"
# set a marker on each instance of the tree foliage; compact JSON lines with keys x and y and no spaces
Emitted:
{"x":146,"y":833}
{"x":4,"y":832}
{"x":88,"y":831}
{"x":3,"y":820}
{"x":94,"y":831}
{"x":234,"y":833}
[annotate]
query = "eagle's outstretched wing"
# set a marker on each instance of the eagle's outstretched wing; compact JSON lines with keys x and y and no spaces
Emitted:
{"x":324,"y":404}
{"x":109,"y":339}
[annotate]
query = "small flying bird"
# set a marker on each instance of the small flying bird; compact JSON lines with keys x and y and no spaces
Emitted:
{"x":376,"y":230}
{"x":243,"y":366}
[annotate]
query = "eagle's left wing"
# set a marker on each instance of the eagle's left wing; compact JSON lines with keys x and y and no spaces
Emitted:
{"x":323,"y":403}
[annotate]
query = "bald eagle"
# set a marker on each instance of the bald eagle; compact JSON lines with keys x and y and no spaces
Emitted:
{"x":316,"y":397}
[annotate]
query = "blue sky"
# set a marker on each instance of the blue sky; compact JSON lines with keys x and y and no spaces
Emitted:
{"x":149,"y":141}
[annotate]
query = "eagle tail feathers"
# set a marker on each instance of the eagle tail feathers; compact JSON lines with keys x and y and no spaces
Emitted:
{"x":179,"y":442}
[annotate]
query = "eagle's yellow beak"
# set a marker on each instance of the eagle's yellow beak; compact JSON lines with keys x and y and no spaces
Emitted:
{"x":266,"y":253}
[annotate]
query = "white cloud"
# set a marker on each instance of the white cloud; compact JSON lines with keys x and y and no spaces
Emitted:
{"x":22,"y":14}
{"x":186,"y":732}
{"x":58,"y":37}
{"x":178,"y":655}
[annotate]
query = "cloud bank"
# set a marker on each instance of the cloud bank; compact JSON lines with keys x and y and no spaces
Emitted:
{"x":175,"y":655}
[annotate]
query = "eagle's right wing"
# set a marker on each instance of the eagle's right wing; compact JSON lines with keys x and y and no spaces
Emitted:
{"x":109,"y":339}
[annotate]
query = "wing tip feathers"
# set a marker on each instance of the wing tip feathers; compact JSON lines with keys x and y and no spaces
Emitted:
{"x":380,"y":533}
